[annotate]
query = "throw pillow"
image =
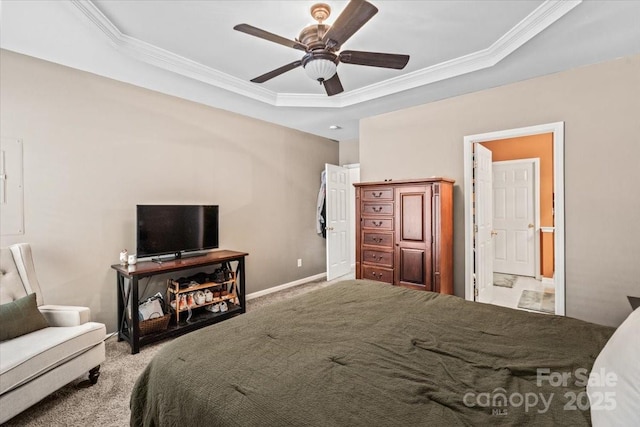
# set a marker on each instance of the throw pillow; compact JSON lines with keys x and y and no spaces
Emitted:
{"x":20,"y":317}
{"x":613,"y":384}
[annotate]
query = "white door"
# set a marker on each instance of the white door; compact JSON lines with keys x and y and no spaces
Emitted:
{"x":514,"y":217}
{"x":483,"y":223}
{"x":337,"y":221}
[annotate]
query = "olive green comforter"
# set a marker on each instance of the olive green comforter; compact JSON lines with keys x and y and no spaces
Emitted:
{"x":361,"y":353}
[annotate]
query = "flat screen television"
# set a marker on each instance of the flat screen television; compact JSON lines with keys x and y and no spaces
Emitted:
{"x":174,"y":229}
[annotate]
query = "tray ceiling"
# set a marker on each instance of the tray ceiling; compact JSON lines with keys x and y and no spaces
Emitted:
{"x":189,"y":49}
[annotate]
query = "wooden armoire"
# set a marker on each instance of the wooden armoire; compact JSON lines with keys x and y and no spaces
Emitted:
{"x":404,"y":233}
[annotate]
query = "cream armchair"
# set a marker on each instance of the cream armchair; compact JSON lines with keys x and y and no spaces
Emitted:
{"x":37,"y":363}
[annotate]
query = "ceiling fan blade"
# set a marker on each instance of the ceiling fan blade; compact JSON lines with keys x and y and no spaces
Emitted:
{"x":333,"y":86}
{"x":374,"y":59}
{"x":271,"y":74}
{"x":352,"y":18}
{"x":257,"y":32}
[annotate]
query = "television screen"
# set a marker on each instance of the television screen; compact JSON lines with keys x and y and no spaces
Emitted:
{"x":172,"y":229}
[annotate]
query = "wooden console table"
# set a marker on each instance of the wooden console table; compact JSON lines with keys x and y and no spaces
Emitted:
{"x":128,"y":277}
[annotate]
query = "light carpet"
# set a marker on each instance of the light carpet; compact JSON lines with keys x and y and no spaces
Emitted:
{"x":106,"y":404}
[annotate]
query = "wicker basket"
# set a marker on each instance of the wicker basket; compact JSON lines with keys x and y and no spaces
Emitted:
{"x":157,"y":324}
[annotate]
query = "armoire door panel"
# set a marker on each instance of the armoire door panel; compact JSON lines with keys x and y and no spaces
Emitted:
{"x":411,"y":268}
{"x":412,"y":217}
{"x":413,"y":236}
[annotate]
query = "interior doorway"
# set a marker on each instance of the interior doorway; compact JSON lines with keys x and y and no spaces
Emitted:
{"x":539,"y":240}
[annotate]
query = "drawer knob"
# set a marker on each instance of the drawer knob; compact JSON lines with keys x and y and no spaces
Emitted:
{"x":377,"y":239}
{"x":377,"y":223}
{"x":377,"y":195}
{"x":377,"y":209}
{"x":374,"y":274}
{"x":375,"y":257}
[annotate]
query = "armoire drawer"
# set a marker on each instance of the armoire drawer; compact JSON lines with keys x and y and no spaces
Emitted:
{"x":377,"y":194}
{"x":384,"y":240}
{"x":378,"y":223}
{"x":377,"y":208}
{"x":384,"y":259}
{"x":377,"y":273}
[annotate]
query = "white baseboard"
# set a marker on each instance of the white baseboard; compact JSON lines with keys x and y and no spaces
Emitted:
{"x":548,"y":281}
{"x":264,"y":292}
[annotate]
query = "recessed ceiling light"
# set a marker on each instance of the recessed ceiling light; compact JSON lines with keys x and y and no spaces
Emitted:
{"x":334,"y":127}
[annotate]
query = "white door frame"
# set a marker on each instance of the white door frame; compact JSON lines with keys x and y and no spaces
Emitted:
{"x":536,"y":209}
{"x":557,"y":129}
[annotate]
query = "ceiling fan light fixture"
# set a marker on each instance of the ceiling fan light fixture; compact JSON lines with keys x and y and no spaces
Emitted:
{"x":322,"y":44}
{"x":320,"y":69}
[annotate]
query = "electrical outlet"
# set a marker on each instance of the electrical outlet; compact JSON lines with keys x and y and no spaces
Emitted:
{"x":299,"y":262}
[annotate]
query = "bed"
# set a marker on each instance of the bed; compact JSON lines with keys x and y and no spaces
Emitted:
{"x":363,"y":353}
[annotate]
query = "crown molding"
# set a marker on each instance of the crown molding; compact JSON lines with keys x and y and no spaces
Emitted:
{"x":151,"y":54}
{"x":536,"y":22}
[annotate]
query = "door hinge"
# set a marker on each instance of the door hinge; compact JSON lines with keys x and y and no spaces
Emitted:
{"x":475,"y":292}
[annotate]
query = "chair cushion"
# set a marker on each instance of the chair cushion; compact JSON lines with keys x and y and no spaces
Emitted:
{"x":20,"y":317}
{"x":29,"y":356}
{"x":11,"y":286}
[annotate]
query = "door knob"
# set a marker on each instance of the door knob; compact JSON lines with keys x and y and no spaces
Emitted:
{"x":330,"y":228}
{"x":494,"y":233}
{"x":530,"y":226}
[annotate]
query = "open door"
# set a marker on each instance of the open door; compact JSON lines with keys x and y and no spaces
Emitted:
{"x":483,"y":228}
{"x":337,"y":221}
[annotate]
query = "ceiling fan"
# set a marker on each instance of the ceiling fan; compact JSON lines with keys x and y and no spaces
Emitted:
{"x":321,"y":44}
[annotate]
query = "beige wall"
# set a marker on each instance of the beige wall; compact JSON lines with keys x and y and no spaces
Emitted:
{"x":94,"y":148}
{"x":349,"y":152}
{"x":600,"y":105}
